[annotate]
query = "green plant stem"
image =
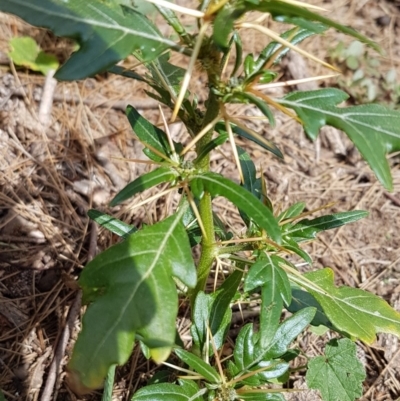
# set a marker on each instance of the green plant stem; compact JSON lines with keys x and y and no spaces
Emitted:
{"x":109,"y":384}
{"x":235,"y":248}
{"x":208,"y":248}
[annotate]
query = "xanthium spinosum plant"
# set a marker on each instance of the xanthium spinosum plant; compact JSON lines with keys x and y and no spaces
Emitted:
{"x":133,"y":288}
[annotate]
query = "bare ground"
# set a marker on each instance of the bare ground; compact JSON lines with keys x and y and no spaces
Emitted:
{"x":52,"y":173}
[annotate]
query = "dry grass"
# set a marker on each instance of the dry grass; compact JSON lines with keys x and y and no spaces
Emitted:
{"x":50,"y":177}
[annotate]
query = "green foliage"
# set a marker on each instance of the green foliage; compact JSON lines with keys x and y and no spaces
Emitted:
{"x":354,"y":312}
{"x":105,"y":31}
{"x":132,"y":289}
{"x":373,"y":128}
{"x":26,"y":52}
{"x":127,"y":299}
{"x":338,"y":374}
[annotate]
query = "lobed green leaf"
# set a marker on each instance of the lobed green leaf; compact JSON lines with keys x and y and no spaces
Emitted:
{"x":354,"y":312}
{"x":130,"y":289}
{"x":374,"y":129}
{"x":105,"y":31}
{"x":338,"y":375}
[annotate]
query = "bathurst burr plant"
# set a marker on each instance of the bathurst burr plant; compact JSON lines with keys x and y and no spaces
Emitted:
{"x":132,"y":289}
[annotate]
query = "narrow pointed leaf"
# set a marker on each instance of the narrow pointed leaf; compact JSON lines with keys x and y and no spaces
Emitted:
{"x":253,"y":136}
{"x":374,"y":129}
{"x":130,"y":290}
{"x":288,"y":332}
{"x":294,"y":247}
{"x":118,"y":70}
{"x":112,"y":224}
{"x":262,"y":106}
{"x":217,"y":185}
{"x":292,"y":211}
{"x":338,"y":374}
{"x":267,"y":270}
{"x":308,"y":229}
{"x":294,"y":36}
{"x":105,"y":32}
{"x":249,"y":355}
{"x":170,"y":392}
{"x":145,"y":181}
{"x":261,"y":396}
{"x":148,"y":134}
{"x":213,"y":311}
{"x":271,"y":310}
{"x":198,"y":365}
{"x":251,"y":183}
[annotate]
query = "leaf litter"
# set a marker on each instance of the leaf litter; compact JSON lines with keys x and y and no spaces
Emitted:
{"x":50,"y":179}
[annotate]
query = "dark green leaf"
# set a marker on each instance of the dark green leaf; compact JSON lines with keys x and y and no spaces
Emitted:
{"x":293,"y":246}
{"x":198,"y":365}
{"x":105,"y":34}
{"x":253,"y":136}
{"x":293,"y":211}
{"x":294,"y":36}
{"x":287,"y":333}
{"x":303,"y":299}
{"x":122,"y":285}
{"x":148,"y":134}
{"x":267,"y":270}
{"x":217,"y":185}
{"x":245,"y":352}
{"x":373,"y":128}
{"x":168,"y":74}
{"x":308,"y":229}
{"x":271,"y":310}
{"x":264,"y":108}
{"x":338,"y":375}
{"x":280,"y":11}
{"x":116,"y":226}
{"x":118,"y":70}
{"x":219,"y":140}
{"x":213,"y":311}
{"x":260,"y":396}
{"x":145,"y":181}
{"x":251,"y":182}
{"x":239,"y":52}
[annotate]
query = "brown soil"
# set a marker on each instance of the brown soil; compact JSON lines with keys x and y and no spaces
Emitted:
{"x":50,"y":175}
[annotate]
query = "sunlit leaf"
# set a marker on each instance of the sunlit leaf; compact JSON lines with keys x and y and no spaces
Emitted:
{"x":198,"y":365}
{"x":374,"y":129}
{"x":338,"y":374}
{"x":112,"y":224}
{"x":354,"y":312}
{"x":26,"y":52}
{"x":218,"y":185}
{"x":130,"y":289}
{"x":307,"y":229}
{"x":145,"y":181}
{"x":186,"y":391}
